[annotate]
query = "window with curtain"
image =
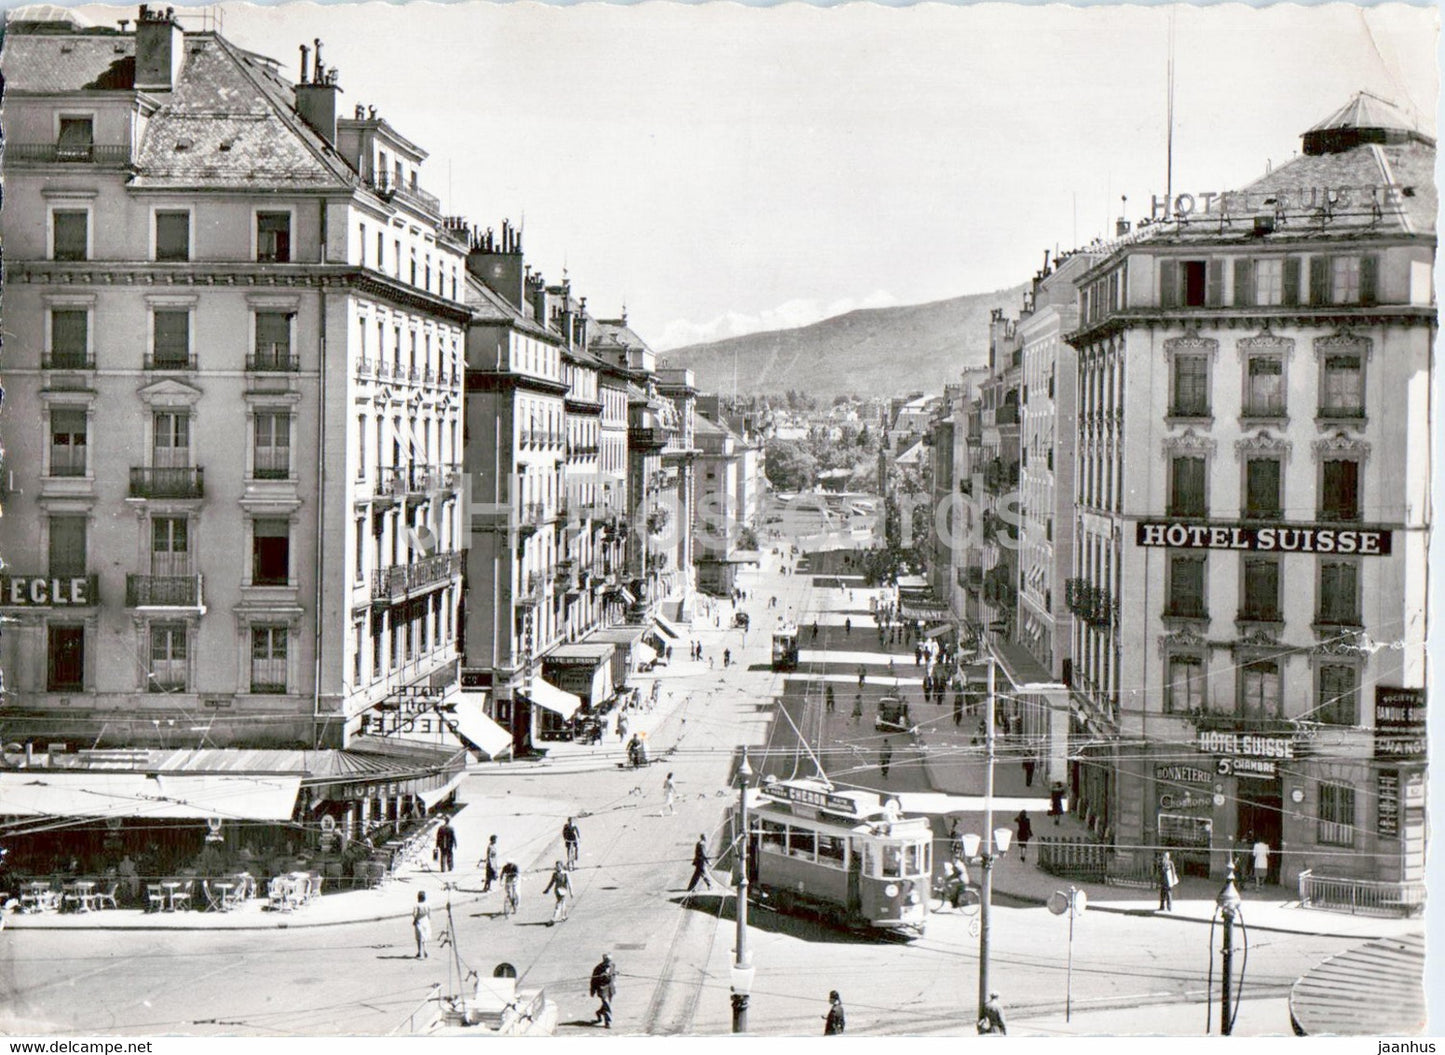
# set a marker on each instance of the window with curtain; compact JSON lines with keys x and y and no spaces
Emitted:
{"x":68,"y":441}
{"x":1185,"y":690}
{"x":1264,"y":395}
{"x":1259,"y":689}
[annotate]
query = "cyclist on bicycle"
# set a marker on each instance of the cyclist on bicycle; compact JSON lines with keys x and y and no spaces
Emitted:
{"x":510,"y":873}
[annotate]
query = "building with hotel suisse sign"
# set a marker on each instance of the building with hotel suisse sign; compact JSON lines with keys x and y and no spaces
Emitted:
{"x":1252,"y":515}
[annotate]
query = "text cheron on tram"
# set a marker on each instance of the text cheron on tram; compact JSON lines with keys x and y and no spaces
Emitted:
{"x":845,"y":855}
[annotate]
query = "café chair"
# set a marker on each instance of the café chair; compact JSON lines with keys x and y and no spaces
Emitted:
{"x":155,"y":897}
{"x":102,"y":897}
{"x":183,"y":895}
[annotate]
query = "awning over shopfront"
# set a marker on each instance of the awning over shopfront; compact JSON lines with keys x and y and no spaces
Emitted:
{"x":627,"y":595}
{"x":1377,"y":989}
{"x":644,"y":653}
{"x":432,"y":796}
{"x":472,"y":725}
{"x":583,"y":668}
{"x":172,"y":796}
{"x":667,"y":628}
{"x":544,"y":694}
{"x":939,"y":631}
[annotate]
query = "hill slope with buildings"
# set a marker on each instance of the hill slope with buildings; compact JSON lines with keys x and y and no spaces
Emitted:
{"x":877,"y":351}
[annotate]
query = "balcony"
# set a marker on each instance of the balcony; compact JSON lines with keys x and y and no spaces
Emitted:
{"x":170,"y":361}
{"x":167,"y":483}
{"x":67,"y":361}
{"x":399,"y":581}
{"x":389,"y":187}
{"x":1095,"y":606}
{"x":163,"y":591}
{"x":533,"y":515}
{"x":532,"y":595}
{"x":647,"y":438}
{"x":116,"y":157}
{"x":273,"y":359}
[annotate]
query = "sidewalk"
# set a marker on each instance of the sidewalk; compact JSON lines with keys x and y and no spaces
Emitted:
{"x":528,"y":830}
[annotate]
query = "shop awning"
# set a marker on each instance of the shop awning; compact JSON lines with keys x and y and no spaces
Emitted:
{"x":667,"y":628}
{"x":101,"y":794}
{"x":432,"y":796}
{"x":1376,"y":989}
{"x":627,"y":595}
{"x":938,"y":631}
{"x":476,"y":729}
{"x":544,"y":694}
{"x":644,"y":653}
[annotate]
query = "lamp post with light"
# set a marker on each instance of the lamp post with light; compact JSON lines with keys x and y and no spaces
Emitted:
{"x":1228,"y":902}
{"x":741,"y":975}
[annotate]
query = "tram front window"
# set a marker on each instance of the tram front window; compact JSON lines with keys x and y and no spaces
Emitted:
{"x":892,"y":861}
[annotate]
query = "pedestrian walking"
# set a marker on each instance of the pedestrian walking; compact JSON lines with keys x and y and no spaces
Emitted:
{"x":1168,"y":879}
{"x":862,"y":674}
{"x":1029,"y":765}
{"x":957,"y":707}
{"x":560,"y":886}
{"x":421,"y":924}
{"x":510,"y":876}
{"x":834,"y":1022}
{"x":857,"y":706}
{"x":604,"y":988}
{"x":885,"y":756}
{"x":727,"y":657}
{"x":488,"y":864}
{"x":572,"y":840}
{"x":669,"y":796}
{"x":446,"y":846}
{"x":828,"y":699}
{"x":699,"y":865}
{"x":1244,"y":856}
{"x":992,"y":1020}
{"x":1025,"y":832}
{"x":1056,"y":801}
{"x":1260,"y":853}
{"x":848,"y":627}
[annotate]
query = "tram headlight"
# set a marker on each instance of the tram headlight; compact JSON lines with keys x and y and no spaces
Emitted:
{"x":891,"y":890}
{"x":913,"y":898}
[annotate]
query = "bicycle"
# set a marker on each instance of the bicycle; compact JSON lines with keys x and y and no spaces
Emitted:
{"x":509,"y":896}
{"x":962,"y":896}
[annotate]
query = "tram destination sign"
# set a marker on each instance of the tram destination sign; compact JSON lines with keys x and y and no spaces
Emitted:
{"x":823,"y":800}
{"x":1399,"y":723}
{"x":1279,"y":538}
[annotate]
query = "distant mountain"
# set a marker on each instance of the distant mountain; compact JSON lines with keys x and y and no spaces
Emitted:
{"x":877,"y":351}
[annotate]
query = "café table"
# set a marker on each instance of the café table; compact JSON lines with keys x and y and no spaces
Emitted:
{"x":170,"y":886}
{"x":81,"y":893}
{"x":37,"y":896}
{"x":225,"y":891}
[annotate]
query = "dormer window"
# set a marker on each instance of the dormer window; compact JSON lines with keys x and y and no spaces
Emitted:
{"x":273,"y":237}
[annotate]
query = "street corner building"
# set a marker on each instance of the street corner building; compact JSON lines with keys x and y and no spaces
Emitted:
{"x":1253,"y":485}
{"x":1193,"y":486}
{"x":236,"y":327}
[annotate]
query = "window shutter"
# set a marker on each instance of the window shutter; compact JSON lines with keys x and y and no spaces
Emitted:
{"x":67,"y":546}
{"x":1243,"y":282}
{"x":1291,"y":280}
{"x":1214,"y":290}
{"x":1319,"y":280}
{"x":1369,"y":272}
{"x":1168,"y":283}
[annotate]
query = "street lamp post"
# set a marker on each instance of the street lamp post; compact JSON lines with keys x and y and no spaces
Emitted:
{"x":1228,"y":902}
{"x":989,"y":843}
{"x":742,"y":969}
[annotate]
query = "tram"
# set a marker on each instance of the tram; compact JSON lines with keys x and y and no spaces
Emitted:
{"x":785,"y":647}
{"x":843,"y":855}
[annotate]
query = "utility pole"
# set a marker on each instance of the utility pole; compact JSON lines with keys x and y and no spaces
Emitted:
{"x":1228,"y":902}
{"x":742,"y":973}
{"x":986,"y":891}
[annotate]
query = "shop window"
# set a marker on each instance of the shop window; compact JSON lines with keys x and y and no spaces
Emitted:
{"x":1338,"y":698}
{"x":1336,"y":814}
{"x":65,"y":663}
{"x":1185,"y":690}
{"x":270,"y":552}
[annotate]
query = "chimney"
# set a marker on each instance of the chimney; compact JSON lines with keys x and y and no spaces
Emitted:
{"x":497,"y":263}
{"x":537,"y":294}
{"x":159,"y":49}
{"x":316,"y":98}
{"x":1121,"y":227}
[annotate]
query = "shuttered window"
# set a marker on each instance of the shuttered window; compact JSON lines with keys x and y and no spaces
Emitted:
{"x":1261,"y":590}
{"x":67,"y":546}
{"x":1261,"y":489}
{"x":1191,"y":386}
{"x":1186,"y":586}
{"x":1186,"y":497}
{"x":70,"y":234}
{"x":173,"y":235}
{"x":1338,"y":702}
{"x":1339,"y":594}
{"x":172,"y":347}
{"x":69,"y":337}
{"x":1340,"y":489}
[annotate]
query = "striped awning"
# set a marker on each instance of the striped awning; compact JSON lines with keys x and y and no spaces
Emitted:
{"x":1376,"y":989}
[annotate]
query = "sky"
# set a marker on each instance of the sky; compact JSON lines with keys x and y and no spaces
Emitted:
{"x":719,"y":169}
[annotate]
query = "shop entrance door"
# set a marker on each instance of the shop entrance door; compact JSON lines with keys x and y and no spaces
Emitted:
{"x":1260,"y":810}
